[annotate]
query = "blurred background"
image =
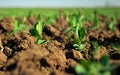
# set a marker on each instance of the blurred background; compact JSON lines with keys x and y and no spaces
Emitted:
{"x":59,"y":3}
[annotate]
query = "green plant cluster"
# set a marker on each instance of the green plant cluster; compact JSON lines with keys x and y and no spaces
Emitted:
{"x":18,"y":26}
{"x":77,"y":28}
{"x":86,"y":67}
{"x":36,"y":31}
{"x":50,"y":20}
{"x":112,"y":24}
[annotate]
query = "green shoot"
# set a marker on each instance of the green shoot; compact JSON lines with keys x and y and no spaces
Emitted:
{"x":116,"y":46}
{"x":77,"y":27}
{"x":37,"y":32}
{"x":50,"y":20}
{"x":18,"y":26}
{"x":94,"y":68}
{"x":95,"y":20}
{"x":112,"y":24}
{"x":96,"y":23}
{"x":96,"y":48}
{"x":30,"y":14}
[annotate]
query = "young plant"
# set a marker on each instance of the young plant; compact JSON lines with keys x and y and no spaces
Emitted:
{"x":77,"y":28}
{"x":50,"y":20}
{"x":95,"y":20}
{"x":96,"y":48}
{"x":30,"y":13}
{"x":37,"y":32}
{"x":93,"y":17}
{"x":112,"y":24}
{"x":18,"y":26}
{"x":116,"y":46}
{"x":86,"y":67}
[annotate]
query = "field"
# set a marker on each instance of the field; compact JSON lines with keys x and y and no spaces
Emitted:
{"x":75,"y":41}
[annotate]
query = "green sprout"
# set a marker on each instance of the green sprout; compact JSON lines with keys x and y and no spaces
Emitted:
{"x":112,"y":24}
{"x":30,"y":14}
{"x":77,"y":28}
{"x":93,"y":17}
{"x":37,"y":32}
{"x":96,"y":48}
{"x":18,"y":26}
{"x":86,"y":67}
{"x":50,"y":20}
{"x":95,"y":20}
{"x":116,"y":46}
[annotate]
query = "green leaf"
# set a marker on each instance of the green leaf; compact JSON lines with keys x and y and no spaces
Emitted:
{"x":72,"y":22}
{"x":94,"y":69}
{"x":86,"y":67}
{"x":24,"y":20}
{"x":35,"y":33}
{"x":82,"y":33}
{"x":39,"y":41}
{"x":96,"y":22}
{"x":77,"y":31}
{"x":112,"y":24}
{"x":39,"y":27}
{"x":50,"y":20}
{"x":80,"y":70}
{"x":39,"y":17}
{"x":116,"y":46}
{"x":81,"y":19}
{"x":16,"y":25}
{"x":96,"y":48}
{"x":76,"y":46}
{"x":95,"y":43}
{"x":37,"y":30}
{"x":104,"y":60}
{"x":86,"y":64}
{"x":21,"y":27}
{"x":76,"y":41}
{"x":107,"y":73}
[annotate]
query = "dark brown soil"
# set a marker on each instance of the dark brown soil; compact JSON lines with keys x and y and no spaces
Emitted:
{"x":19,"y":55}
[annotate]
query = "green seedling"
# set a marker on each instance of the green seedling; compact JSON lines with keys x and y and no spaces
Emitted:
{"x":37,"y":32}
{"x":93,"y":67}
{"x":40,"y":17}
{"x":115,"y":46}
{"x":93,"y":17}
{"x":77,"y":28}
{"x":30,"y":14}
{"x":95,"y":20}
{"x":19,"y":26}
{"x":79,"y":44}
{"x":96,"y":48}
{"x":50,"y":20}
{"x":112,"y":24}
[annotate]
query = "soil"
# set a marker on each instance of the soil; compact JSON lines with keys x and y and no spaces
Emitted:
{"x":19,"y":55}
